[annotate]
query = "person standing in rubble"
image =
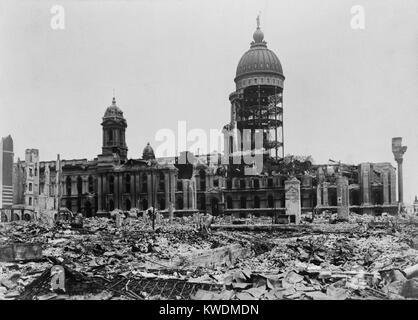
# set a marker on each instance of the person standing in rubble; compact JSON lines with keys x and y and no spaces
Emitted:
{"x":152,"y":215}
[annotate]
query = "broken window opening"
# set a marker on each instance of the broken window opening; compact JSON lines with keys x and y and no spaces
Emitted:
{"x":91,"y":184}
{"x":270,"y":201}
{"x":79,"y":185}
{"x":256,"y":202}
{"x":68,"y":185}
{"x":243,"y":202}
{"x":111,"y":184}
{"x":229,"y":203}
{"x":127,"y":183}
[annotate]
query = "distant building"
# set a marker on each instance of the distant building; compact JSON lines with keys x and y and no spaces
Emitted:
{"x":6,"y":172}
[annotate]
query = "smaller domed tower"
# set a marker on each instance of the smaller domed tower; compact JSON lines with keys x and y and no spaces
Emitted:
{"x":114,"y":126}
{"x":148,"y":153}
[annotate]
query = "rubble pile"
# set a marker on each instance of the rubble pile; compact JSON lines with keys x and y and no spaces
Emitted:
{"x":345,"y":260}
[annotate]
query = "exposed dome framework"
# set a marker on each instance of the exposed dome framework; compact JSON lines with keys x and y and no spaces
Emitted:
{"x":257,"y":103}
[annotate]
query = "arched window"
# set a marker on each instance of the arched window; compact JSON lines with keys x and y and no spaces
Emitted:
{"x":242,"y":184}
{"x":144,"y":184}
{"x":256,"y":183}
{"x":202,"y":202}
{"x":243,"y":202}
{"x":111,"y":184}
{"x":214,"y":204}
{"x":78,"y":205}
{"x":91,"y":184}
{"x":127,"y":204}
{"x":202,"y":176}
{"x":162,"y":181}
{"x":68,"y":204}
{"x":332,"y":196}
{"x":68,"y":185}
{"x":111,"y":205}
{"x":355,"y":197}
{"x":128,"y":183}
{"x":179,"y":185}
{"x":144,"y":204}
{"x":231,"y":144}
{"x":162,"y":204}
{"x":180,"y":203}
{"x":270,"y":201}
{"x":87,"y":208}
{"x":236,"y":183}
{"x":256,"y":202}
{"x":229,"y":202}
{"x":79,"y":185}
{"x":229,"y":184}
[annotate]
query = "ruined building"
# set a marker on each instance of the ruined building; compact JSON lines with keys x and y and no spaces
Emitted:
{"x":282,"y":188}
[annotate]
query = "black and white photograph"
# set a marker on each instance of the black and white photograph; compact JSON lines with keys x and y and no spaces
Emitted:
{"x":189,"y":152}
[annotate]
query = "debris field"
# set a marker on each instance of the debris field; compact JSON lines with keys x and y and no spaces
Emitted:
{"x":364,"y":258}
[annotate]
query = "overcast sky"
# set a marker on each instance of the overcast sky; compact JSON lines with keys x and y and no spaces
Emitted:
{"x":347,"y":92}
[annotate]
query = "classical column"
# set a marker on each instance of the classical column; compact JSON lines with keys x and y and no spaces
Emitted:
{"x":172,"y":187}
{"x":137,"y":190}
{"x":325,"y":194}
{"x":133,"y":189}
{"x":166,"y":189}
{"x":318,"y":196}
{"x":119,"y":192}
{"x":99,"y":193}
{"x":85,"y":187}
{"x":342,"y":197}
{"x":365,"y":183}
{"x":149,"y":190}
{"x":74,"y":186}
{"x":398,"y":151}
{"x":385,"y":187}
{"x":392,"y":186}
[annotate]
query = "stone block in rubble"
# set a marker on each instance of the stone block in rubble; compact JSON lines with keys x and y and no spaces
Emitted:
{"x":410,"y":288}
{"x":292,"y":199}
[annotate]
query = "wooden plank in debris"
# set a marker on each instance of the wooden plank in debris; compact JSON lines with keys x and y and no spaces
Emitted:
{"x":20,"y":252}
{"x":215,"y":257}
{"x":258,"y":227}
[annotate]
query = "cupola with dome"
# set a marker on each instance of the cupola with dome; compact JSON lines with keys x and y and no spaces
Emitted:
{"x":148,"y":153}
{"x":259,"y":65}
{"x":114,"y":127}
